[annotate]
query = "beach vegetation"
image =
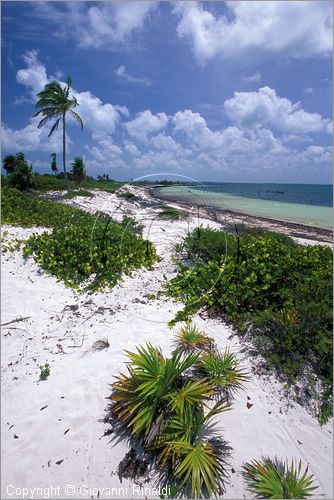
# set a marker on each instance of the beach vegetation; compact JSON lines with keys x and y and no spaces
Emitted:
{"x":222,"y":370}
{"x":190,"y":339}
{"x":277,"y":291}
{"x":78,"y":170}
{"x":171,"y":213}
{"x":54,"y":102}
{"x":84,"y":250}
{"x":54,"y":166}
{"x":126,"y":195}
{"x":44,"y":371}
{"x":169,"y":409}
{"x":8,"y":163}
{"x":269,"y":478}
{"x":19,"y":172}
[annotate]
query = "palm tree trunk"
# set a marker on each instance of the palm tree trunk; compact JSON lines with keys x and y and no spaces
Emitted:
{"x":64,"y":154}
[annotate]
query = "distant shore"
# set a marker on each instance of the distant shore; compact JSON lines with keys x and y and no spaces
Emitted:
{"x":293,"y":229}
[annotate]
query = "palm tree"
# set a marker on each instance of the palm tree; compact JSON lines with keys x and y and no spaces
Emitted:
{"x":54,"y":102}
{"x":8,"y":163}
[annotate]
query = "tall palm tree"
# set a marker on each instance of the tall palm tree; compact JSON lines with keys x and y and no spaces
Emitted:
{"x":54,"y":102}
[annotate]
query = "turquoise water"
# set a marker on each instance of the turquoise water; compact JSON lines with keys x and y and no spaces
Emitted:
{"x":309,"y":213}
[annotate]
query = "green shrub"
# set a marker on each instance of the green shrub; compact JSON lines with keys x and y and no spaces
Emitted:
{"x":45,"y":371}
{"x":20,"y":176}
{"x":78,"y":170}
{"x":275,"y":479}
{"x":82,"y":246}
{"x":264,"y":278}
{"x":171,"y":213}
{"x":127,"y":195}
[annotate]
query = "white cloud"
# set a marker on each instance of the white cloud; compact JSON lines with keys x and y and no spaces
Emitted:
{"x":105,"y":24}
{"x":96,"y":115}
{"x":131,"y":148}
{"x":105,"y":154}
{"x":308,"y":90}
{"x":146,"y":123}
{"x":265,"y":108}
{"x":34,"y":76}
{"x":124,"y":75}
{"x":256,"y":77}
{"x":31,"y":138}
{"x":296,"y":29}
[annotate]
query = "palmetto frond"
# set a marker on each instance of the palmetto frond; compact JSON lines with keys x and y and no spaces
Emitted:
{"x":276,"y":479}
{"x":222,"y":371}
{"x":190,"y":339}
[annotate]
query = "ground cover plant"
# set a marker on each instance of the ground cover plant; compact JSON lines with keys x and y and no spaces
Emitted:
{"x":168,"y":407}
{"x":269,"y":478}
{"x":171,"y":213}
{"x":262,"y":281}
{"x":89,"y":250}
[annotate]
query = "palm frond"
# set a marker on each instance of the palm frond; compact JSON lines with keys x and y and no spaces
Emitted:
{"x":276,"y":479}
{"x":76,"y":117}
{"x":190,"y":339}
{"x":54,"y":127}
{"x":222,"y":371}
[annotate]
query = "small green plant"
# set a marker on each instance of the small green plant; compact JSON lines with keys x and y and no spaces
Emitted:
{"x":190,"y":339}
{"x":171,"y":214}
{"x":276,"y":479}
{"x":45,"y":371}
{"x":127,"y":195}
{"x":222,"y":371}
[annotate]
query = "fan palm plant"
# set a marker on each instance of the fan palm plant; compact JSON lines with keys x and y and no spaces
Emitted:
{"x":197,"y":463}
{"x":190,"y":339}
{"x":54,"y":103}
{"x":139,"y":397}
{"x":275,"y":479}
{"x":222,"y":372}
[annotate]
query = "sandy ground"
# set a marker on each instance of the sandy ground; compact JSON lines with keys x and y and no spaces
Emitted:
{"x":53,"y":430}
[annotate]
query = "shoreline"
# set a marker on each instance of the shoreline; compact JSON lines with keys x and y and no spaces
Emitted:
{"x":293,"y":229}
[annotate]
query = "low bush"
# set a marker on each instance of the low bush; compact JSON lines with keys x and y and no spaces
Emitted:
{"x":82,"y":246}
{"x":21,"y":176}
{"x":263,"y":278}
{"x":171,"y":213}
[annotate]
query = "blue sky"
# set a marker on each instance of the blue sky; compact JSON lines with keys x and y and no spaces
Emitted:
{"x":225,"y":91}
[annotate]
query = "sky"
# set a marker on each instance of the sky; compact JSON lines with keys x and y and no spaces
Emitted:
{"x":235,"y":91}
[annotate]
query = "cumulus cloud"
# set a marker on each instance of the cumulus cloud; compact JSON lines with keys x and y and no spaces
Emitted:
{"x":34,"y":75}
{"x":146,"y":123}
{"x":31,"y":138}
{"x":265,"y":108}
{"x":105,"y":24}
{"x":122,"y":74}
{"x":296,"y":29}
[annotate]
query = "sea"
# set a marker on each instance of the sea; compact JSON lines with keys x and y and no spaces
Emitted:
{"x":309,"y":204}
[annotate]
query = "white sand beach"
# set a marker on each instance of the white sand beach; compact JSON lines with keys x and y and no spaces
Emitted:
{"x":53,"y":434}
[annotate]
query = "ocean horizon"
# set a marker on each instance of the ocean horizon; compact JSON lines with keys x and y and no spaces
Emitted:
{"x":309,"y":204}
